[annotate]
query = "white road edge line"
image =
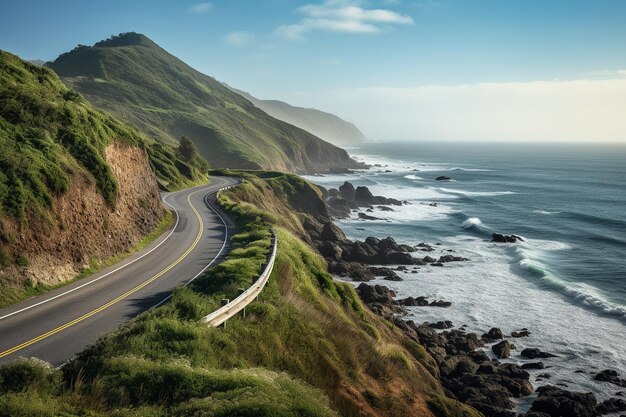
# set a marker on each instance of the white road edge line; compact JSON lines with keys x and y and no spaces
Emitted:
{"x":215,"y":257}
{"x":108,"y":273}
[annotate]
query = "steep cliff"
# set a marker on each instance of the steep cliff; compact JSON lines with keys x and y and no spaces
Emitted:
{"x":76,"y":186}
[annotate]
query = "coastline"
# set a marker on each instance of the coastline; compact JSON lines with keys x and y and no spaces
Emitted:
{"x":579,"y":379}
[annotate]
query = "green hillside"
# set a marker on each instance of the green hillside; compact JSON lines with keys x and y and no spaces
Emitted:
{"x":49,"y":132}
{"x":133,"y":78}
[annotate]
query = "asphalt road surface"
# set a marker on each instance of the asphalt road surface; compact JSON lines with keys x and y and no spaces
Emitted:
{"x":59,"y":324}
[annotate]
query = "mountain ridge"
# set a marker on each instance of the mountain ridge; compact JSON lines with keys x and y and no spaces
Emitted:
{"x":325,"y":125}
{"x":133,"y":78}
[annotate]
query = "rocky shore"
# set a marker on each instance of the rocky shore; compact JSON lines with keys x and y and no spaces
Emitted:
{"x":472,"y":369}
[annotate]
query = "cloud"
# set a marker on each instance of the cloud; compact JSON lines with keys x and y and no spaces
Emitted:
{"x":578,"y":110}
{"x":240,"y":38}
{"x":200,"y":8}
{"x":342,"y":16}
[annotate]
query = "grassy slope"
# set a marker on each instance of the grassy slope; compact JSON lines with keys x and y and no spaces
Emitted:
{"x":308,"y":347}
{"x":135,"y":79}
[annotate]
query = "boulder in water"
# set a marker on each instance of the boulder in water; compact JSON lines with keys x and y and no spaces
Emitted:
{"x":500,"y":238}
{"x":493,"y":334}
{"x":364,"y":216}
{"x":533,"y":353}
{"x":502,"y":350}
{"x":611,"y":376}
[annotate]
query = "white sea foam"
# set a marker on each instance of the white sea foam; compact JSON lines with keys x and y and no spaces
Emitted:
{"x":470,"y":169}
{"x":475,"y":193}
{"x":413,"y":177}
{"x":472,"y":221}
{"x":546,"y":212}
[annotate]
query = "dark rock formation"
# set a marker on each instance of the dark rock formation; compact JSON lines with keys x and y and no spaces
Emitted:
{"x":493,"y":334}
{"x":358,"y":197}
{"x":451,"y":258}
{"x":423,"y":302}
{"x":332,"y":233}
{"x":521,"y":333}
{"x":612,"y":405}
{"x":347,"y":191}
{"x":557,"y":402}
{"x":533,"y":365}
{"x":497,"y":237}
{"x":364,"y":216}
{"x":502,"y":350}
{"x":611,"y":376}
{"x":339,"y":207}
{"x":533,"y":353}
{"x":330,"y":250}
{"x":388,"y":273}
{"x":443,"y":178}
{"x":380,"y":300}
{"x":424,"y":247}
{"x":447,"y":324}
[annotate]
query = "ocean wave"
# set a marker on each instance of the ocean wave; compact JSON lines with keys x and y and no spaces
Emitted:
{"x":590,"y":218}
{"x":546,"y":212}
{"x":472,"y":221}
{"x":584,"y":297}
{"x":542,"y":245}
{"x":476,"y":225}
{"x":413,"y":177}
{"x":470,"y":169}
{"x":475,"y":193}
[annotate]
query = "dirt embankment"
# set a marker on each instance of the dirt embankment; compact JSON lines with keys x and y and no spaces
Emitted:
{"x":81,"y":227}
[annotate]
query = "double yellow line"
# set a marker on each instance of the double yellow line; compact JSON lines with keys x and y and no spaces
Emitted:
{"x":116,"y":300}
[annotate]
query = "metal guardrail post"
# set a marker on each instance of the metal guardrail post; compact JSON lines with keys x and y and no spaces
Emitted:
{"x":243,"y":312}
{"x":224,"y":302}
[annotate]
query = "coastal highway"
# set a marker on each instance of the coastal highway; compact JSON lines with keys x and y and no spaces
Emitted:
{"x":57,"y":325}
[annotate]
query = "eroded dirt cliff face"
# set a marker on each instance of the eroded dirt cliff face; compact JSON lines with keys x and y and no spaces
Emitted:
{"x":81,"y":227}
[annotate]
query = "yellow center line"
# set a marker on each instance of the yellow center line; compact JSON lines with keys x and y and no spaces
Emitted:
{"x":116,"y":300}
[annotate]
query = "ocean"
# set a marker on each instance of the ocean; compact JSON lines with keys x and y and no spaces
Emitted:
{"x":566,"y":282}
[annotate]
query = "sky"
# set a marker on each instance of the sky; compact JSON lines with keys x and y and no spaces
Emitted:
{"x":482,"y":70}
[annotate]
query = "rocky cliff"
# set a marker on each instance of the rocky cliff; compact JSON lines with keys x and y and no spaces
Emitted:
{"x":76,"y":186}
{"x":81,"y":227}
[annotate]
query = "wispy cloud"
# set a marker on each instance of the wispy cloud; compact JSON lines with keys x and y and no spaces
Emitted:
{"x":239,"y":38}
{"x":343,"y":16}
{"x":200,"y":8}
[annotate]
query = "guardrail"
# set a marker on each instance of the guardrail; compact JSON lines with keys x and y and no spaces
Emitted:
{"x":227,"y":311}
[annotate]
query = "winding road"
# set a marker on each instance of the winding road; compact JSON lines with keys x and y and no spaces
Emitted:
{"x":57,"y":325}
